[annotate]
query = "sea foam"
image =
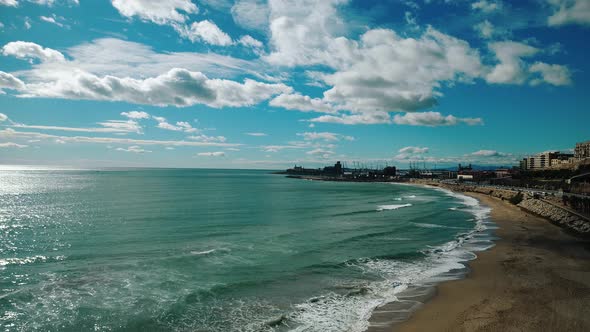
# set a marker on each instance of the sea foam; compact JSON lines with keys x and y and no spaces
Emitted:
{"x":352,"y":311}
{"x":392,"y":207}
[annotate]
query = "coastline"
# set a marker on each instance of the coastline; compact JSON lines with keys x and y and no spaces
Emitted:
{"x":536,"y":277}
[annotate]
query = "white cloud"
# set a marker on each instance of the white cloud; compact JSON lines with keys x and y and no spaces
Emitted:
{"x":277,"y":148}
{"x":486,"y":6}
{"x":433,"y":119}
{"x":110,"y":56}
{"x":301,"y":103}
{"x":27,"y":50}
{"x":411,"y":153}
{"x":54,"y":19}
{"x":177,"y":87}
{"x":3,"y":117}
{"x":8,"y":81}
{"x":205,"y":138}
{"x":206,"y":31}
{"x":552,"y":74}
{"x":11,"y":133}
{"x":27,"y":23}
{"x":136,"y":115}
{"x":133,"y":149}
{"x":488,"y":153}
{"x":251,"y":14}
{"x":211,"y":154}
{"x":354,"y":119}
{"x":325,"y":136}
{"x":12,"y":145}
{"x":180,"y":125}
{"x":110,"y":126}
{"x":250,"y":42}
{"x":414,"y":150}
{"x":302,"y":30}
{"x":511,"y":68}
{"x":257,"y":134}
{"x":161,"y":12}
{"x":391,"y":73}
{"x":9,"y":3}
{"x":485,"y":29}
{"x":323,"y":153}
{"x":569,"y":12}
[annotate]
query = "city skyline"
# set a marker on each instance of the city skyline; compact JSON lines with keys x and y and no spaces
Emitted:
{"x":257,"y":84}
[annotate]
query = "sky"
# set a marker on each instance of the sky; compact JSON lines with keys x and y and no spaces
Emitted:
{"x":269,"y":84}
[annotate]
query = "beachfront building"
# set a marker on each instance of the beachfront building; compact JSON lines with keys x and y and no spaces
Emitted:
{"x":582,"y":150}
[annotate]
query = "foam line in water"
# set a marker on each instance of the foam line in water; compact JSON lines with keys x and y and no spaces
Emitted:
{"x":392,"y":207}
{"x":352,"y":311}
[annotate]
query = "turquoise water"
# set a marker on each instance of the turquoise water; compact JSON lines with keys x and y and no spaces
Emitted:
{"x":217,"y":250}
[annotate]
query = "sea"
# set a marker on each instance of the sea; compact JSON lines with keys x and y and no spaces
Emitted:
{"x":220,"y":250}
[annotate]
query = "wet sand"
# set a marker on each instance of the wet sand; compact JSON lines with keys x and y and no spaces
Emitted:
{"x":536,"y":278}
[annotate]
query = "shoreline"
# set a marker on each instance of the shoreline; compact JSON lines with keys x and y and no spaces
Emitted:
{"x":536,"y":277}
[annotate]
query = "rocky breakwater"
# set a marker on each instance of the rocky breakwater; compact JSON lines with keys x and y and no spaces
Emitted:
{"x":557,"y":215}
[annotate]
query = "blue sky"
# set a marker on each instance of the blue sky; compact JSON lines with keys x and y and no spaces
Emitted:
{"x":267,"y":84}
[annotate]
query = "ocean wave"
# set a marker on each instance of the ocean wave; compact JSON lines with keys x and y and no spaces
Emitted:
{"x":352,"y":310}
{"x":209,"y":252}
{"x":29,"y":260}
{"x":427,"y":225}
{"x":392,"y":207}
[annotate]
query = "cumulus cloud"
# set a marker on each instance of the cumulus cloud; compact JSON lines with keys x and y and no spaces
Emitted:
{"x":485,"y":29}
{"x":251,"y":14}
{"x":414,"y":150}
{"x":411,"y":153}
{"x":179,"y":126}
{"x":296,"y":101}
{"x":177,"y":87}
{"x":257,"y":134}
{"x":486,"y":6}
{"x":157,"y":11}
{"x":511,"y":68}
{"x":206,"y":31}
{"x":325,"y":136}
{"x":9,"y":81}
{"x":386,"y":72}
{"x":354,"y":119}
{"x":569,"y":12}
{"x":12,"y":145}
{"x":552,"y":74}
{"x":136,"y":115}
{"x":30,"y":51}
{"x":211,"y":154}
{"x":133,"y":149}
{"x":488,"y":153}
{"x":3,"y":117}
{"x":433,"y":119}
{"x":252,"y":43}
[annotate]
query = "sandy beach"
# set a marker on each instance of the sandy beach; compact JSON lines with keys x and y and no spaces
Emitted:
{"x":536,"y":278}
